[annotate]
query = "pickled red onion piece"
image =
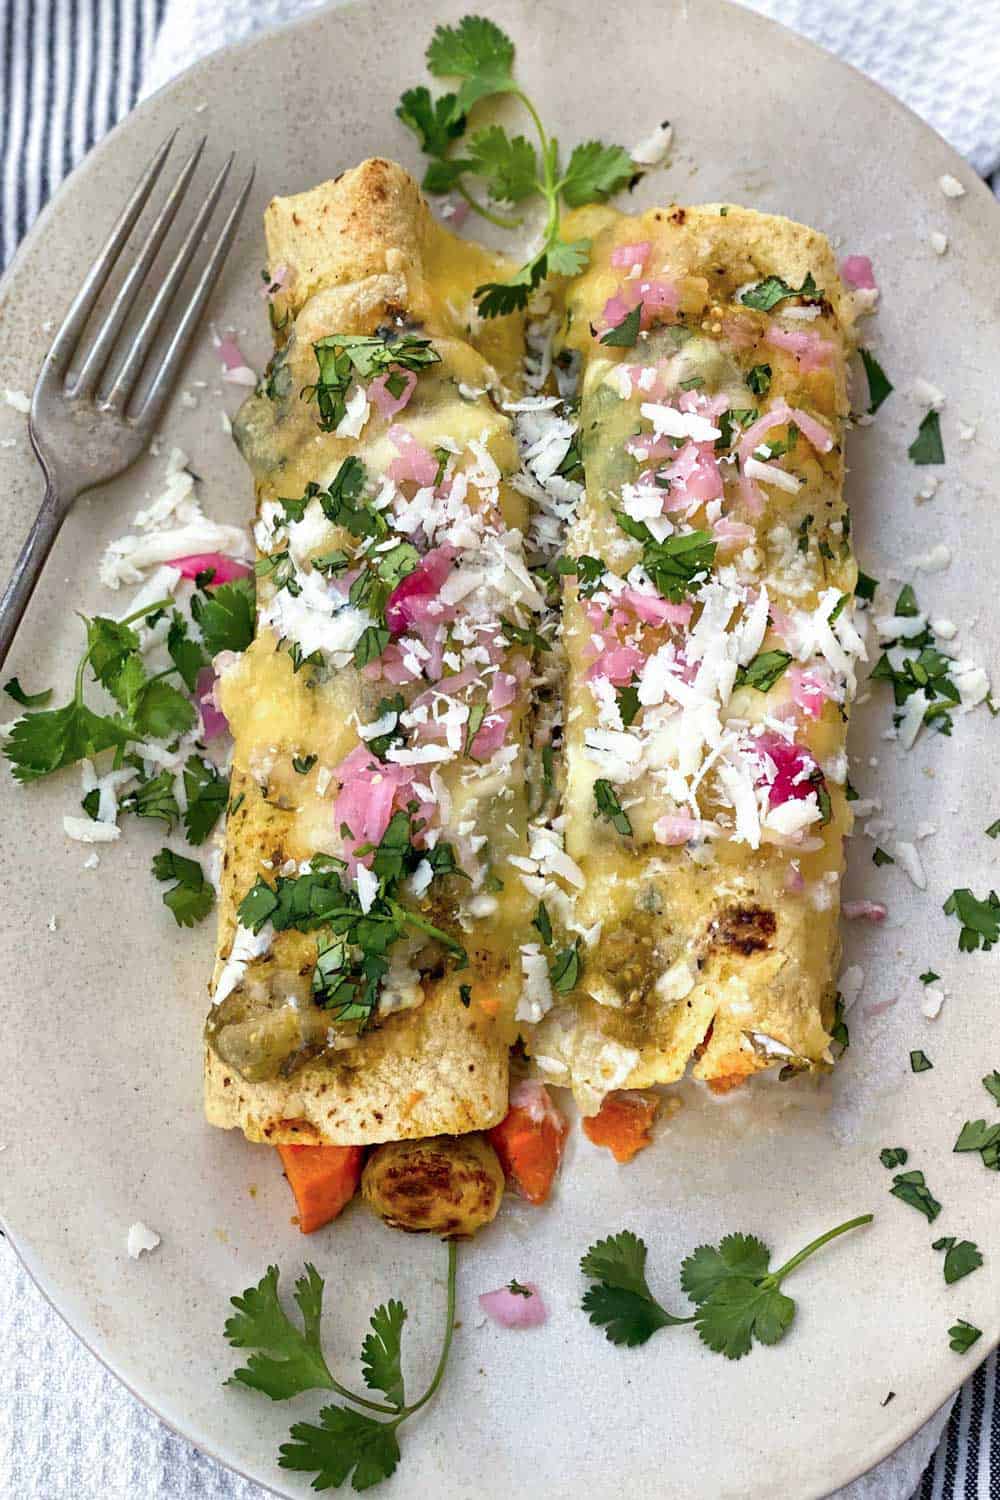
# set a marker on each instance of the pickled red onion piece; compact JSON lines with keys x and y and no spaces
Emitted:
{"x":870,"y":911}
{"x":225,"y":568}
{"x":414,"y":461}
{"x":811,"y":351}
{"x":857,"y":271}
{"x":514,"y":1309}
{"x":213,"y":720}
{"x":407,"y":603}
{"x":624,"y":257}
{"x":382,"y":398}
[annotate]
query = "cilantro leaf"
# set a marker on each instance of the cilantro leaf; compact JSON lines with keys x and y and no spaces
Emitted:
{"x":893,"y":1156}
{"x":288,"y":1360}
{"x":542,"y":922}
{"x":497,"y":299}
{"x":865,"y":587}
{"x":435,"y":122}
{"x":624,"y":334}
{"x":920,"y":1062}
{"x":567,"y":258}
{"x":346,"y":1442}
{"x":608,"y":806}
{"x":380,"y":1352}
{"x":565,"y":969}
{"x":991,"y":1083}
{"x":207,"y":792}
{"x":962,"y":1336}
{"x":109,"y":644}
{"x":160,"y":711}
{"x":879,"y":384}
{"x":154,"y":798}
{"x":192,"y":897}
{"x":226,"y":616}
{"x":741,"y":1310}
{"x":706,"y":1268}
{"x":188,"y":656}
{"x":620,"y":1302}
{"x":764,"y":671}
{"x":910,"y":1187}
{"x":772,"y":290}
{"x":43,"y":742}
{"x":594,"y":172}
{"x":976,"y":1135}
{"x":961,"y":1258}
{"x":508,"y":163}
{"x":475,"y":45}
{"x":759,"y":379}
{"x":27,"y":700}
{"x":980,"y":919}
{"x":927,"y":447}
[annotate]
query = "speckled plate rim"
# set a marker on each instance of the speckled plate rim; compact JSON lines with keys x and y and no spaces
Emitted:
{"x":776,"y":37}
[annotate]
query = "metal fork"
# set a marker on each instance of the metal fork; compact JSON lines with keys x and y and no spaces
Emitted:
{"x":86,"y":424}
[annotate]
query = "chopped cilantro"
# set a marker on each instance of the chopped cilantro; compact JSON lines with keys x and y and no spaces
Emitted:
{"x":624,"y":334}
{"x":343,"y":357}
{"x":759,"y":379}
{"x":608,"y":806}
{"x":191,"y":898}
{"x":881,"y":858}
{"x":865,"y":587}
{"x":225,"y":617}
{"x":961,"y":1257}
{"x":764,"y":671}
{"x":910,"y":1188}
{"x":565,"y":970}
{"x":893,"y":1156}
{"x":772,"y":290}
{"x":927,"y":447}
{"x":27,"y":700}
{"x":980,"y":919}
{"x":879,"y":384}
{"x":962,"y":1336}
{"x":920,"y":1062}
{"x":929,"y":977}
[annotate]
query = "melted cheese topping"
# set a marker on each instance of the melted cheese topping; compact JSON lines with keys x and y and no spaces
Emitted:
{"x":717,"y":914}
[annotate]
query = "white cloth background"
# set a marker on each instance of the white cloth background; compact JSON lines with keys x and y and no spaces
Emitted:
{"x":68,"y":1430}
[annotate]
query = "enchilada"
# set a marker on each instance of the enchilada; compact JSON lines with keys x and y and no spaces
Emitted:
{"x":370,"y":925}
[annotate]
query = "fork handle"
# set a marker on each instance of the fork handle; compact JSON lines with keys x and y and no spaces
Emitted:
{"x":27,"y":569}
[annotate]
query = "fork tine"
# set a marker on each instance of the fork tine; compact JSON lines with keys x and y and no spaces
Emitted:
{"x":75,"y":320}
{"x":167,"y":371}
{"x":103,"y":344}
{"x":128,"y":373}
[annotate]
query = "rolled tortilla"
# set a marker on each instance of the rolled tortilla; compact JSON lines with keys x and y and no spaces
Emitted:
{"x":704,"y":764}
{"x":363,"y":256}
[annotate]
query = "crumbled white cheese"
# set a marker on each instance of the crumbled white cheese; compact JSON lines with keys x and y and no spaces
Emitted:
{"x":536,"y":993}
{"x":939,"y":242}
{"x":367,"y":886}
{"x":246,"y":947}
{"x":927,"y":395}
{"x":908,"y":858}
{"x":669,"y":422}
{"x":772,"y":474}
{"x":356,"y":412}
{"x":950,"y":186}
{"x":86,"y":831}
{"x":932,"y":999}
{"x":141,"y":1239}
{"x":653,"y":148}
{"x":934,"y":561}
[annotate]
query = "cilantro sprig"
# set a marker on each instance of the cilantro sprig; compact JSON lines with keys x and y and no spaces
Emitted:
{"x":46,"y":740}
{"x":479,"y":58}
{"x":737,"y":1296}
{"x":191,"y":897}
{"x":348,"y":1442}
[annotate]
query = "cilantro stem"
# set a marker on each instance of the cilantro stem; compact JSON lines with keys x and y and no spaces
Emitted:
{"x":449,"y":1330}
{"x":147,"y":609}
{"x":776,"y":1277}
{"x":403,"y":913}
{"x":502,"y":221}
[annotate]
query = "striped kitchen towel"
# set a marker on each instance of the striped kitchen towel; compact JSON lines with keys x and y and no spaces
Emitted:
{"x":70,"y":70}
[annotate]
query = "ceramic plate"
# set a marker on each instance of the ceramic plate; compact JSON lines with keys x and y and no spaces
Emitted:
{"x":100,"y":1108}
